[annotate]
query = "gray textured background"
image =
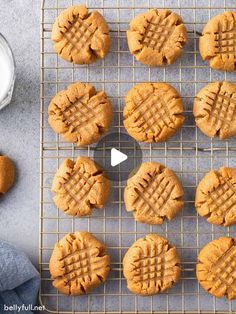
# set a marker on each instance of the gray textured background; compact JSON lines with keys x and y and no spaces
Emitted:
{"x":19,"y":126}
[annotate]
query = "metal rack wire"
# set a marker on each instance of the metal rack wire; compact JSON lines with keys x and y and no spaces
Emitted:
{"x":190,"y":154}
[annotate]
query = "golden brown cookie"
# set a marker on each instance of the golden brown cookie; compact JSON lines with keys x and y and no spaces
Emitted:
{"x":151,"y":265}
{"x":218,"y":42}
{"x":153,"y":194}
{"x":153,"y":112}
{"x":216,"y":196}
{"x":79,"y":36}
{"x":80,"y":114}
{"x":80,"y":186}
{"x":157,"y":37}
{"x":216,"y":268}
{"x":7,"y":174}
{"x":79,"y":263}
{"x":215,"y":109}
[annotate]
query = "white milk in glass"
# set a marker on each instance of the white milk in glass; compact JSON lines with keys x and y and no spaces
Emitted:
{"x":6,"y":73}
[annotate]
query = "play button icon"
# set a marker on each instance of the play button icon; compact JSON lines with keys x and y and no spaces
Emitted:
{"x":117,"y":157}
{"x":118,"y":154}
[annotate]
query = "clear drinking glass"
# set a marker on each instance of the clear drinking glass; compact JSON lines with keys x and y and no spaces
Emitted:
{"x":7,"y":72}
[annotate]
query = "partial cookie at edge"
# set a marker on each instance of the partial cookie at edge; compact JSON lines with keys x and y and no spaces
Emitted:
{"x":214,"y":109}
{"x":7,"y":174}
{"x":215,"y":268}
{"x":216,"y":196}
{"x":217,"y":43}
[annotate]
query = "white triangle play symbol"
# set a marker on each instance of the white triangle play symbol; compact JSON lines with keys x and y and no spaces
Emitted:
{"x":117,"y":157}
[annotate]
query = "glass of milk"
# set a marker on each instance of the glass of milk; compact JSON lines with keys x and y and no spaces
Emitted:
{"x":7,"y":72}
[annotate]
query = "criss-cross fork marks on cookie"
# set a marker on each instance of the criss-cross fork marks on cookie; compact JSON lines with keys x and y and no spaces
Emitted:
{"x":78,"y":35}
{"x":225,"y":40}
{"x":223,"y":198}
{"x":81,"y":265}
{"x":154,"y":113}
{"x":222,"y":273}
{"x":80,"y":116}
{"x":151,"y":268}
{"x":157,"y":33}
{"x":78,"y":263}
{"x":78,"y":186}
{"x":153,"y":196}
{"x":223,"y":109}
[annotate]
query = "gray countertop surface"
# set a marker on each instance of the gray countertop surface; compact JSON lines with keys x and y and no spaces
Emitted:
{"x":19,"y":126}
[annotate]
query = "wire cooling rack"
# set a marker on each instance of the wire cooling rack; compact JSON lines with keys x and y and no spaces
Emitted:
{"x":190,"y":154}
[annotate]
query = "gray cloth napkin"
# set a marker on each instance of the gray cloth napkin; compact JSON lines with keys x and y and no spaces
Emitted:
{"x":19,"y":280}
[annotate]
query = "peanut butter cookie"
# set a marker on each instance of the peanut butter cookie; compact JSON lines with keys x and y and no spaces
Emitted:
{"x":215,"y":109}
{"x":153,"y":112}
{"x":216,"y":268}
{"x":151,"y":265}
{"x":79,"y":263}
{"x":80,"y":186}
{"x":80,"y":114}
{"x":218,"y":42}
{"x":79,"y":36}
{"x":153,"y":194}
{"x":157,"y":37}
{"x":7,"y":174}
{"x":216,"y":197}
